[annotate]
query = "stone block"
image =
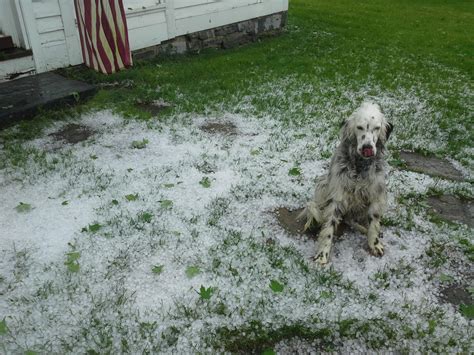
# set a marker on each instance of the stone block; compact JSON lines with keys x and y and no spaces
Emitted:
{"x":250,"y":26}
{"x":284,"y":18}
{"x":194,"y":45}
{"x":225,"y":30}
{"x":275,"y":21}
{"x":179,"y":45}
{"x":235,"y":39}
{"x":212,"y":43}
{"x":203,"y":35}
{"x":146,"y":53}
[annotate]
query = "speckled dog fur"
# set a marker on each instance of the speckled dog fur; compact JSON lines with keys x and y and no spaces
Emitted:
{"x":354,"y":189}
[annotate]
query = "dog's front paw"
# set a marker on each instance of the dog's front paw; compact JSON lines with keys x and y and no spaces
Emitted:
{"x":376,"y":249}
{"x":321,"y":258}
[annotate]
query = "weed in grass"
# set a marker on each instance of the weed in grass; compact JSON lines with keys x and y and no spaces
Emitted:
{"x":467,"y":310}
{"x":205,"y":182}
{"x":92,"y":228}
{"x":276,"y":286}
{"x":255,"y":151}
{"x":72,"y":262}
{"x":157,"y":269}
{"x":192,"y":271}
{"x":166,"y":204}
{"x":295,"y":171}
{"x":206,"y":293}
{"x":131,"y":197}
{"x":140,"y":144}
{"x":3,"y":327}
{"x":145,"y":217}
{"x":23,"y":207}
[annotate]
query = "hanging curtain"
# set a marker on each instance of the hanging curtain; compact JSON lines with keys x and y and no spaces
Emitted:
{"x":104,"y":35}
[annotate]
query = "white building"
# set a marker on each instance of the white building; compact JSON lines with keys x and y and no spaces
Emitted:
{"x":46,"y":36}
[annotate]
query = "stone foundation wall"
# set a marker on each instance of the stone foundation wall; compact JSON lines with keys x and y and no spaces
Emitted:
{"x":227,"y":36}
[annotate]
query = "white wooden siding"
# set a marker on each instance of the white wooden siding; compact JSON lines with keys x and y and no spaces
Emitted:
{"x":50,"y":28}
{"x":220,"y":13}
{"x":147,"y":28}
{"x":157,"y":23}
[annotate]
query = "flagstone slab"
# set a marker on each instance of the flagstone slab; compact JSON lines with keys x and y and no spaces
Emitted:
{"x":431,"y":166}
{"x":453,"y":209}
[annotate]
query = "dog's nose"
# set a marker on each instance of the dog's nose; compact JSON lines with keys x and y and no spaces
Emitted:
{"x":367,"y":150}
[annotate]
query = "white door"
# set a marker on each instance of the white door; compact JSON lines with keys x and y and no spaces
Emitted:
{"x":71,"y":31}
{"x":52,"y":33}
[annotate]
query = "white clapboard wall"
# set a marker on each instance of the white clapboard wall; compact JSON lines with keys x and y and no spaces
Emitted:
{"x":51,"y":28}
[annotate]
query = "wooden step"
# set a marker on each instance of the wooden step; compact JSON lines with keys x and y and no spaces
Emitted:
{"x":5,"y":42}
{"x":13,"y":53}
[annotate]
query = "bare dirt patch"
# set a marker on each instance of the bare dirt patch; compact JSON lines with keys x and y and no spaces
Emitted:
{"x":222,"y":127}
{"x":453,"y":209}
{"x":73,"y":133}
{"x":289,"y":220}
{"x":457,"y":295}
{"x":431,"y":166}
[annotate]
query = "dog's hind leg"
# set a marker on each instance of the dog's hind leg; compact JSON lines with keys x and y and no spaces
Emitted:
{"x":359,"y":227}
{"x":312,"y":214}
{"x":334,"y":215}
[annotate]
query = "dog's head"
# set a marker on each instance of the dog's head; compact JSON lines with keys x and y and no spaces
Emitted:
{"x":368,"y":128}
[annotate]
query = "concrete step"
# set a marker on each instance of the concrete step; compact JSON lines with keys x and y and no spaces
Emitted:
{"x":22,"y":98}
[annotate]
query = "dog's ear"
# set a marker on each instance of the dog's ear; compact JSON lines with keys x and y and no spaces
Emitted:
{"x":388,"y":130}
{"x":346,"y":132}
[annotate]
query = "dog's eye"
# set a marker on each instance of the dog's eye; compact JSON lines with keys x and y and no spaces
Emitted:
{"x":376,"y":128}
{"x":360,"y":127}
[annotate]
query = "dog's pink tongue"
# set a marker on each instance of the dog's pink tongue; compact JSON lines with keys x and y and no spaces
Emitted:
{"x":367,"y":152}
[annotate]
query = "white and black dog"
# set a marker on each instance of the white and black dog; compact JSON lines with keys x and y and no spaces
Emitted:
{"x":354,"y":188}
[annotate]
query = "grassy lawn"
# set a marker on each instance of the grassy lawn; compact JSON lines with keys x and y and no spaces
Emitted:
{"x":155,"y":235}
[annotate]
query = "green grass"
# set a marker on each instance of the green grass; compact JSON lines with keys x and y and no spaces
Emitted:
{"x":415,"y":46}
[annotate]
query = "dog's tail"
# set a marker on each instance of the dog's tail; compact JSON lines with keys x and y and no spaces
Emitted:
{"x":311,"y":213}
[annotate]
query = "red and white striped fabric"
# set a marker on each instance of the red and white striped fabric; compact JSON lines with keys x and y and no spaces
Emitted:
{"x":104,"y":35}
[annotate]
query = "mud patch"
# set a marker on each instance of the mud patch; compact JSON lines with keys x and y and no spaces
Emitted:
{"x":457,"y":295}
{"x":290,"y":222}
{"x":223,"y":127}
{"x":73,"y":133}
{"x":153,"y":107}
{"x":453,"y":209}
{"x":431,"y":166}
